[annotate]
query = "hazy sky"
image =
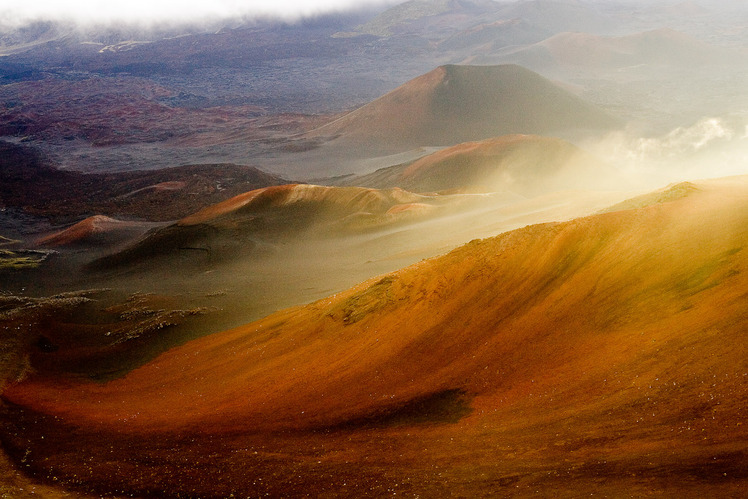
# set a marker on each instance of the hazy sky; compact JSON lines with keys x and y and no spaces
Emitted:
{"x":21,"y":11}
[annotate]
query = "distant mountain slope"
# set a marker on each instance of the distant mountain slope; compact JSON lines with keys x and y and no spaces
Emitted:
{"x":661,"y":47}
{"x":560,"y":15}
{"x":488,"y":37}
{"x":440,"y":19}
{"x":420,"y":15}
{"x":30,"y":181}
{"x":453,"y":104}
{"x":234,"y":227}
{"x":524,"y":164}
{"x":323,"y":200}
{"x":95,"y":230}
{"x":581,"y":353}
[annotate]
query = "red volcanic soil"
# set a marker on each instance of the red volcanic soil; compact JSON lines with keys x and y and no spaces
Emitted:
{"x":233,"y":228}
{"x":453,"y":104}
{"x":604,"y":355}
{"x":525,"y":164}
{"x":97,"y":229}
{"x":318,"y":199}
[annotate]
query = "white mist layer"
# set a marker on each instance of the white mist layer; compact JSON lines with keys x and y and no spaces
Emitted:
{"x":166,"y":11}
{"x":710,"y":148}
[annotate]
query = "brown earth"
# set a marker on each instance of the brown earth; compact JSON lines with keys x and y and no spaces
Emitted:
{"x":603,"y":355}
{"x":289,"y":213}
{"x":95,"y":230}
{"x":523,"y":164}
{"x":30,"y":181}
{"x":111,"y":111}
{"x":454,"y":104}
{"x":78,"y":332}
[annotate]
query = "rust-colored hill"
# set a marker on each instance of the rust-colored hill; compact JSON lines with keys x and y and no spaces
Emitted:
{"x":268,"y":215}
{"x":604,"y":355}
{"x":454,"y":104}
{"x":525,"y":164}
{"x":316,"y":199}
{"x":95,"y":230}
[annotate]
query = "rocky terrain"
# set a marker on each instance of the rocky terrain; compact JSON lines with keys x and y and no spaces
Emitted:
{"x":573,"y":356}
{"x":32,"y":182}
{"x":425,"y":248}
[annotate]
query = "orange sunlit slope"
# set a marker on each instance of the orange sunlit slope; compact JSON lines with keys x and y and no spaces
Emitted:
{"x":553,"y":303}
{"x":618,"y":337}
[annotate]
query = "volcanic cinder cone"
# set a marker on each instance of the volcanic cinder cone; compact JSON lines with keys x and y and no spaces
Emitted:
{"x":603,"y":354}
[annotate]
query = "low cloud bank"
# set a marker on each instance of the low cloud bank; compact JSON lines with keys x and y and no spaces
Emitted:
{"x":152,"y":12}
{"x":712,"y":147}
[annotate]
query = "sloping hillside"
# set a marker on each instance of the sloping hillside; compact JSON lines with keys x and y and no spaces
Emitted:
{"x":656,"y":48}
{"x":560,"y":15}
{"x":95,"y":230}
{"x":601,"y":355}
{"x":524,"y":164}
{"x":31,"y":181}
{"x":453,"y":104}
{"x":423,"y":17}
{"x":294,"y":211}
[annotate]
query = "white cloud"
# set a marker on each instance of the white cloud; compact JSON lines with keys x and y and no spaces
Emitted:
{"x":678,"y":143}
{"x":14,"y":12}
{"x":685,"y":140}
{"x":711,"y":147}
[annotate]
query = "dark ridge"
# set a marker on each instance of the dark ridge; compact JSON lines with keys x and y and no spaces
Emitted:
{"x":443,"y":407}
{"x":11,"y":72}
{"x":30,"y":181}
{"x":193,"y":241}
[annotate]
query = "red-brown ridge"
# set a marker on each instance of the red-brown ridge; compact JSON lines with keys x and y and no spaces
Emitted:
{"x":97,"y":228}
{"x":348,"y":199}
{"x":454,"y":104}
{"x":603,"y":354}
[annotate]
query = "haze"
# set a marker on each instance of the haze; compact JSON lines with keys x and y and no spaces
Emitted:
{"x":431,"y":248}
{"x":15,"y":13}
{"x":161,"y":11}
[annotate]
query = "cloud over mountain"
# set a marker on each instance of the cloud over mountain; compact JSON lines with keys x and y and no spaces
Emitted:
{"x":165,"y":11}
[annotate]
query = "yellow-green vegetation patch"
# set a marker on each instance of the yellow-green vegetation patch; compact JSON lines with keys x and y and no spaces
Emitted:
{"x":21,"y":259}
{"x":671,"y":193}
{"x":4,"y":241}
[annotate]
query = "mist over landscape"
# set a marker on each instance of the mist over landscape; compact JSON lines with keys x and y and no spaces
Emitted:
{"x":429,"y":248}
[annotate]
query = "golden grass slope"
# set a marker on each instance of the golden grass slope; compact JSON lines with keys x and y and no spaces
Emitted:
{"x":672,"y":192}
{"x":603,"y":354}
